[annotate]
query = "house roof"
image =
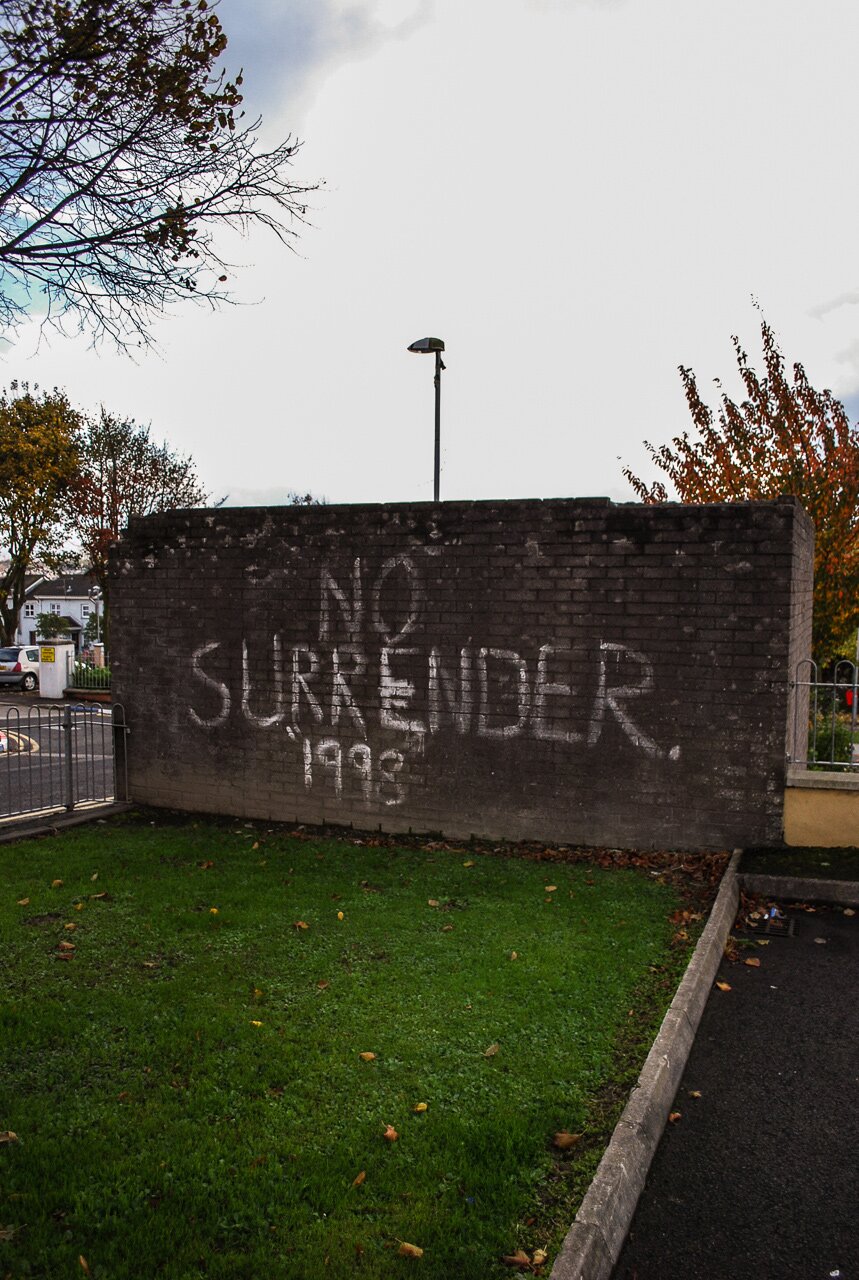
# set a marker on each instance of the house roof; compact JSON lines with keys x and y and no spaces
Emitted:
{"x":68,"y":585}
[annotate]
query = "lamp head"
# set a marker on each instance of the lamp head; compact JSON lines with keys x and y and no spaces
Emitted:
{"x":426,"y":346}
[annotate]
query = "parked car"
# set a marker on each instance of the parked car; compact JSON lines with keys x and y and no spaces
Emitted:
{"x":19,"y":666}
{"x":4,"y":742}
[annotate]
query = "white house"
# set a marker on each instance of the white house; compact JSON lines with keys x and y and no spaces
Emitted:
{"x":73,"y":596}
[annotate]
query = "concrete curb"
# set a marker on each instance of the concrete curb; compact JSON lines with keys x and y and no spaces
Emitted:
{"x":28,"y":828}
{"x":594,"y":1241}
{"x":844,"y":893}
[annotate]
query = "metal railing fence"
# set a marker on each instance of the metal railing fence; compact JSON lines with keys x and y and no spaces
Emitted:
{"x":81,"y":674}
{"x":61,"y":757}
{"x":832,"y":731}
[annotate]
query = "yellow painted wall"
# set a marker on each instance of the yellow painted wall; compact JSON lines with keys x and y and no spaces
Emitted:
{"x":824,"y":817}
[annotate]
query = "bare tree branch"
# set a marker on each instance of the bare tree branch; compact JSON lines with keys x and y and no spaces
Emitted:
{"x":122,"y":151}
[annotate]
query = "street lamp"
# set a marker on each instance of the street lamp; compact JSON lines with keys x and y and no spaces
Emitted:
{"x":95,"y":596}
{"x":434,"y":346}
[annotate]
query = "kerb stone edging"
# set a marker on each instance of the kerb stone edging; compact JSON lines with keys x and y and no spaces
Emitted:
{"x":843,"y":893}
{"x":29,"y":826}
{"x":594,"y":1241}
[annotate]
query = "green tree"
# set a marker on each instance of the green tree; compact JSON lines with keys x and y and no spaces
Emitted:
{"x":784,"y":438}
{"x":122,"y":150}
{"x":93,"y":628}
{"x":51,"y":626}
{"x":39,"y":436}
{"x":122,"y":473}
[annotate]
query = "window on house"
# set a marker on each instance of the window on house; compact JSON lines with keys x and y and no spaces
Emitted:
{"x":86,"y":610}
{"x":29,"y":610}
{"x":54,"y":607}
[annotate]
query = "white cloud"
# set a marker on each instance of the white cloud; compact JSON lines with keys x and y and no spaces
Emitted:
{"x":577,"y":197}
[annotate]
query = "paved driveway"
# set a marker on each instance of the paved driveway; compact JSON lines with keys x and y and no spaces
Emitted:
{"x":757,"y":1179}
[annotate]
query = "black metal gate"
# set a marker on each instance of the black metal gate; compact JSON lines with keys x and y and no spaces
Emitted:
{"x":60,"y":757}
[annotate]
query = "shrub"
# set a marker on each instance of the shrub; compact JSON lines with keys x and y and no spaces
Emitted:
{"x":830,"y":739}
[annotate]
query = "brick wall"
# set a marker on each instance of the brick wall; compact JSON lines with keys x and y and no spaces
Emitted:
{"x":564,"y":670}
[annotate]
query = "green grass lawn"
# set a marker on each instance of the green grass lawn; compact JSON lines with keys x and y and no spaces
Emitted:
{"x":181,"y":1057}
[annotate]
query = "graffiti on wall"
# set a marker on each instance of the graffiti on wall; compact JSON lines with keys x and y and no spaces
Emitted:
{"x":412,"y":689}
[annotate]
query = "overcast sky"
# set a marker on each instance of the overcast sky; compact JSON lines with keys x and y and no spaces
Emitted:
{"x":576,"y":195}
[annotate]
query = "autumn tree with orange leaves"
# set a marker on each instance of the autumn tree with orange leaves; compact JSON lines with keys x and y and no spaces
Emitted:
{"x":785,"y":438}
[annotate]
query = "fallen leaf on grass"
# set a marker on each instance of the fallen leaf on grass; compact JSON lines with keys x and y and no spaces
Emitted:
{"x":64,"y":945}
{"x":551,"y":888}
{"x":56,"y":884}
{"x":390,"y":1133}
{"x":514,"y":955}
{"x":150,"y":964}
{"x":367,"y":1057}
{"x":323,"y":983}
{"x":674,"y":1117}
{"x":517,"y":1259}
{"x":432,"y":902}
{"x":684,"y":917}
{"x":94,"y":876}
{"x":255,"y":1022}
{"x":7,"y":1234}
{"x":356,"y":1182}
{"x":407,"y":1250}
{"x":447,"y":928}
{"x":124,"y":1096}
{"x":753,"y":962}
{"x":213,"y":911}
{"x":8,"y":1136}
{"x":301,"y":924}
{"x":97,"y":896}
{"x":419,"y":1107}
{"x":468,"y":864}
{"x":491,"y":1051}
{"x":724,"y":986}
{"x":84,"y":1265}
{"x":25,"y":902}
{"x":564,"y":1140}
{"x":70,"y":925}
{"x":538,"y":1257}
{"x":340,"y":915}
{"x":207,"y":865}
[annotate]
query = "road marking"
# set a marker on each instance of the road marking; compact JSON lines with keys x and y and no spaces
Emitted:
{"x":32,"y":749}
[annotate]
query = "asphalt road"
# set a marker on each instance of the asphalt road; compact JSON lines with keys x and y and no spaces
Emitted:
{"x":34,"y":773}
{"x":757,"y":1178}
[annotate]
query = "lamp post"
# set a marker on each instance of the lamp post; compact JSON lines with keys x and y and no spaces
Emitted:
{"x":95,"y":596}
{"x":434,"y":346}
